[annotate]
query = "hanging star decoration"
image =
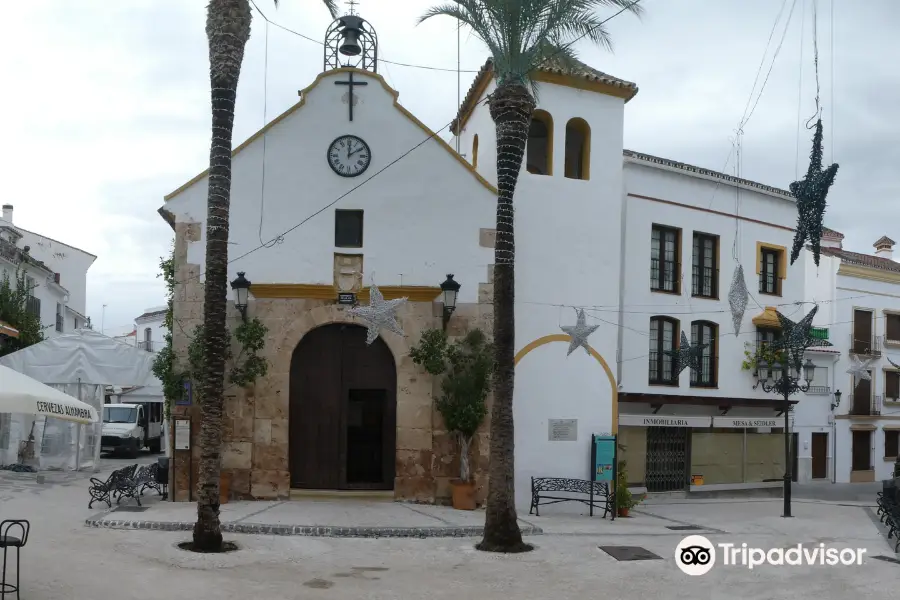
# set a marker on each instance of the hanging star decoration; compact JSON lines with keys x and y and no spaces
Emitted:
{"x":796,"y":338}
{"x":579,"y":332}
{"x":893,"y":364}
{"x":379,"y":314}
{"x":860,"y":368}
{"x":686,"y":355}
{"x":737,"y":298}
{"x":810,"y":193}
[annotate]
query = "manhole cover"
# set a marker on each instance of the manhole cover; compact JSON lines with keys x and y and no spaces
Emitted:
{"x":622,"y":553}
{"x":887,"y":559}
{"x":131,"y":508}
{"x":684,"y":528}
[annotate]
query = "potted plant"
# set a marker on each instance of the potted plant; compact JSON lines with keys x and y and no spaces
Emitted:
{"x":466,"y":366}
{"x":753,"y":356}
{"x":624,"y":499}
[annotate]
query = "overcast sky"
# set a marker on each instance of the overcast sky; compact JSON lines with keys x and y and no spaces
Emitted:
{"x":105,"y":107}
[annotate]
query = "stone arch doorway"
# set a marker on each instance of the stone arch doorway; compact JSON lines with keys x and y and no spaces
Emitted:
{"x":343,"y":411}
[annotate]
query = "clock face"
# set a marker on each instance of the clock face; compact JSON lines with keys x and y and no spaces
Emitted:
{"x":349,"y":156}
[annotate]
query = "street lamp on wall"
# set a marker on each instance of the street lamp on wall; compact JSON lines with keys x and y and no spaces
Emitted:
{"x":240,"y":287}
{"x":837,"y":400}
{"x":450,"y":291}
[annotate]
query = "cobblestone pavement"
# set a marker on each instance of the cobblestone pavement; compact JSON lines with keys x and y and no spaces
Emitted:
{"x":64,"y":559}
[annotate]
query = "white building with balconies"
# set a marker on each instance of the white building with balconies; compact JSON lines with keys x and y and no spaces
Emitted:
{"x":859,"y":297}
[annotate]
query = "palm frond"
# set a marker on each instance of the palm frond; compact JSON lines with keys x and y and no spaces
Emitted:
{"x":522,"y":35}
{"x":331,"y":5}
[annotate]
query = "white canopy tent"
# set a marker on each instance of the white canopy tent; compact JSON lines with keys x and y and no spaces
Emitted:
{"x":80,"y":364}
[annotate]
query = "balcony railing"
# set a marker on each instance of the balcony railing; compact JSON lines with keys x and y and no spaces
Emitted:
{"x":705,"y":282}
{"x":148,"y":346}
{"x":819,"y":333}
{"x":865,"y":406}
{"x":819,"y":390}
{"x":11,"y":252}
{"x":664,"y":275}
{"x":59,"y":323}
{"x":870,"y":346}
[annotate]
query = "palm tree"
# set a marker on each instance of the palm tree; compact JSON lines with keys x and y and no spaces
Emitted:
{"x":228,"y":29}
{"x":520,"y":35}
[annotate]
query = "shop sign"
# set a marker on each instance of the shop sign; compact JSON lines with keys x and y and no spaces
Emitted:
{"x":745,"y":422}
{"x":662,"y":421}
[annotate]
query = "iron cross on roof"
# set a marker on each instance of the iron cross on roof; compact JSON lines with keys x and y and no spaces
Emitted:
{"x":352,"y":4}
{"x":351,"y":84}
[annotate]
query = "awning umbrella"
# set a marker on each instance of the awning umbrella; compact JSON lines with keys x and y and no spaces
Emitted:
{"x":21,"y":394}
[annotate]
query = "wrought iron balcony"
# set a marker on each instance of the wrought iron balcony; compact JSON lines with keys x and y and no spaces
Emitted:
{"x":819,"y":390}
{"x":870,"y":346}
{"x":148,"y":346}
{"x":863,"y":405}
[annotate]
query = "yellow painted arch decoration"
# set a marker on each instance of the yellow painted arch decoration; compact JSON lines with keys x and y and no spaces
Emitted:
{"x":561,"y":337}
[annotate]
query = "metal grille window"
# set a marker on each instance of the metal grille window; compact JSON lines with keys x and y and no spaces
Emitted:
{"x":769,"y":278}
{"x":705,"y":273}
{"x":664,"y":256}
{"x":662,"y":339}
{"x":705,"y":332}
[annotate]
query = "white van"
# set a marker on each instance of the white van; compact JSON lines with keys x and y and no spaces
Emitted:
{"x":131,"y":427}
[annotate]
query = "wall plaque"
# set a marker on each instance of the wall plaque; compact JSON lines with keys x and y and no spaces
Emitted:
{"x":563,"y":430}
{"x":182,"y":434}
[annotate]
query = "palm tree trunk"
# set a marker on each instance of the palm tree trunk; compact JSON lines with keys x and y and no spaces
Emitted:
{"x":228,"y":29}
{"x":511,"y":107}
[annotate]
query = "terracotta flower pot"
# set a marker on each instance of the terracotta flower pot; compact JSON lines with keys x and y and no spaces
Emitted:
{"x":623,"y":512}
{"x":463,"y":495}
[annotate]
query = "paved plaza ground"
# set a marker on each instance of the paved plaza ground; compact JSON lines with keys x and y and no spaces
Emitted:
{"x":65,"y":558}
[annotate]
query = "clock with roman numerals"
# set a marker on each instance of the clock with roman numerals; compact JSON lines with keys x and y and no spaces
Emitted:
{"x":349,"y":156}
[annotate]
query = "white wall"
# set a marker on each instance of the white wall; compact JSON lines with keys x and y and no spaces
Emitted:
{"x":157,"y":328}
{"x":71,"y":263}
{"x":422,"y":215}
{"x":863,"y":293}
{"x":567,"y":252}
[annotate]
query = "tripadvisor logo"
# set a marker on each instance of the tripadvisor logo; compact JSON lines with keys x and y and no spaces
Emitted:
{"x":696,"y":555}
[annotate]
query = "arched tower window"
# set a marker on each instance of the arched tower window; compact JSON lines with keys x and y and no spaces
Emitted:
{"x":539,"y":152}
{"x":578,"y":149}
{"x":475,"y":151}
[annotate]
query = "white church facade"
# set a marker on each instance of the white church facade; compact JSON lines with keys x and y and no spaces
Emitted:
{"x":647,"y":247}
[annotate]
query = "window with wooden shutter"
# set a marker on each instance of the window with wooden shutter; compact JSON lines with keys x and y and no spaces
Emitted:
{"x":891,"y":443}
{"x":892,"y":385}
{"x":892,"y":328}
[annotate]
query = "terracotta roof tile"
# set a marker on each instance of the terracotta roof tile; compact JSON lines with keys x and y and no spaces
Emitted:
{"x":832,"y":233}
{"x":884,"y":241}
{"x":863,"y":260}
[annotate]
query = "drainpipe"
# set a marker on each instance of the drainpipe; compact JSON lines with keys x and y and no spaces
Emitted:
{"x":621,"y":328}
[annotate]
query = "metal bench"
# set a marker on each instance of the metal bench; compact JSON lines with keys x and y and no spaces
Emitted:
{"x":888,"y":500}
{"x":105,"y":491}
{"x":592,"y":493}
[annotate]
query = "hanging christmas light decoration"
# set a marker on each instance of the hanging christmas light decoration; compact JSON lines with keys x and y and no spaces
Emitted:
{"x":579,"y":332}
{"x":860,"y":368}
{"x":796,"y":338}
{"x":893,"y":364}
{"x":686,"y":355}
{"x":379,"y":314}
{"x":737,"y":298}
{"x":810,"y":193}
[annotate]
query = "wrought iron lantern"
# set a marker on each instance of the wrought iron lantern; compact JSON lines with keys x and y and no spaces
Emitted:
{"x":241,"y":289}
{"x":450,"y":291}
{"x":837,"y":400}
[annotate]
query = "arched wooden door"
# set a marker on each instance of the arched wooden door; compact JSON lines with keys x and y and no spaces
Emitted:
{"x":343,"y":411}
